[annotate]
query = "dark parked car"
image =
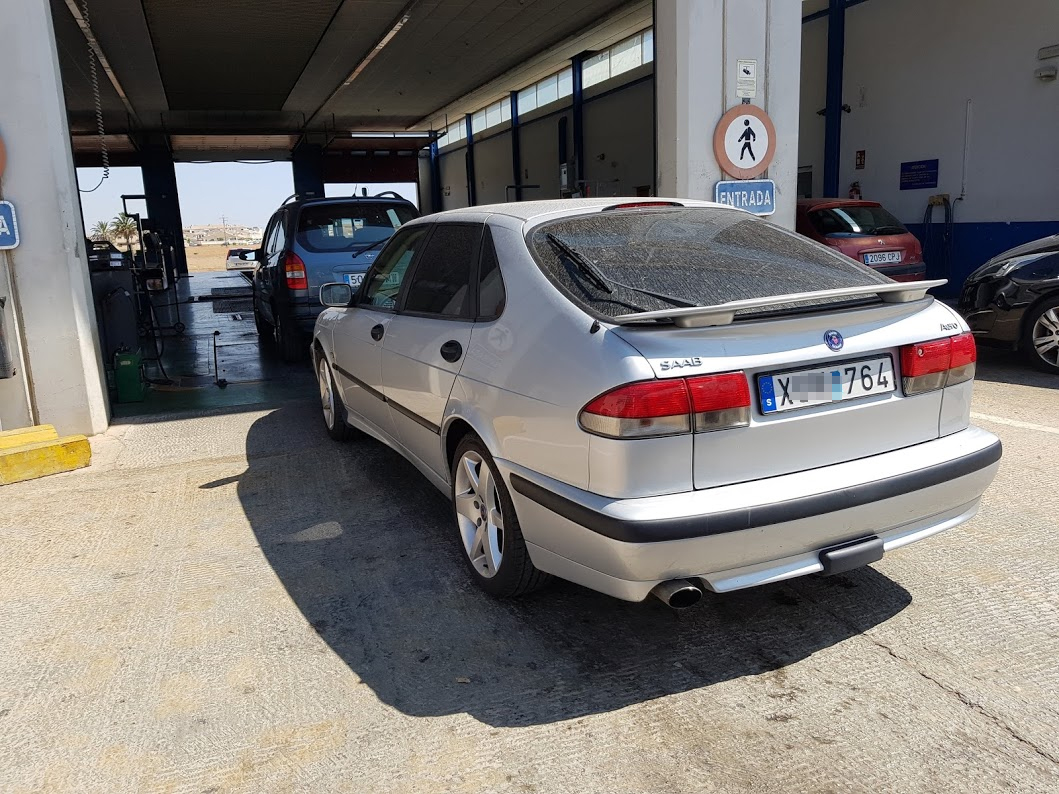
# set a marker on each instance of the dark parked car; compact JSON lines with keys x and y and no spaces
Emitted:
{"x":865,"y":231}
{"x":1013,"y":300}
{"x":311,"y":242}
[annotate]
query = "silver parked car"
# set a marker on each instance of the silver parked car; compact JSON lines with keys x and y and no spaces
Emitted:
{"x":656,"y":395}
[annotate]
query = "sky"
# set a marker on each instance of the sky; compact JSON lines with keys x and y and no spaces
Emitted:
{"x":245,"y":193}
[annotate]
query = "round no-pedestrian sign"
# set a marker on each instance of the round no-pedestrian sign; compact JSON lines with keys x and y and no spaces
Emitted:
{"x":744,"y":142}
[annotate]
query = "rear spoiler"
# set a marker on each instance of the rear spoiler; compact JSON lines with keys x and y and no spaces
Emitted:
{"x":724,"y":313}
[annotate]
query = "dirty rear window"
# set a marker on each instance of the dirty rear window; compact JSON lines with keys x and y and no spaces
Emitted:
{"x":330,"y":228}
{"x":700,"y":256}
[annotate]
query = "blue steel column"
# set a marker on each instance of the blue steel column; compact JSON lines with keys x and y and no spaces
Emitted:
{"x":836,"y":46}
{"x":516,"y":147}
{"x":435,"y":178}
{"x":472,"y":189}
{"x":577,"y":63}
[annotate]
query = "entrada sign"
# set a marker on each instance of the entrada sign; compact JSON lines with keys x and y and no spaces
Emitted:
{"x":754,"y":195}
{"x":8,"y":226}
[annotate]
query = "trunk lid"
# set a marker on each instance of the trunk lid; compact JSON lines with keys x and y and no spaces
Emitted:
{"x":806,"y":437}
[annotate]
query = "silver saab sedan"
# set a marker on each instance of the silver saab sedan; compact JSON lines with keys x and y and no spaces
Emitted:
{"x":656,"y":395}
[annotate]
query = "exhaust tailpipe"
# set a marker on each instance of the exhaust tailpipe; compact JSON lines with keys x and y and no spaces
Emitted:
{"x":678,"y":593}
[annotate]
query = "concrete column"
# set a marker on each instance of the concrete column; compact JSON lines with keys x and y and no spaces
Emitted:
{"x":307,"y":167}
{"x":697,"y":44}
{"x":60,"y":376}
{"x":163,"y":200}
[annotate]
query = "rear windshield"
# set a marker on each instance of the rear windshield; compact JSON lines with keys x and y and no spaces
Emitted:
{"x":855,"y":222}
{"x":330,"y":228}
{"x":698,"y":257}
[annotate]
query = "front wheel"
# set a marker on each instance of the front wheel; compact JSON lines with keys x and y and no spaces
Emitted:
{"x":331,"y":404}
{"x":488,"y":528}
{"x":1040,"y":342}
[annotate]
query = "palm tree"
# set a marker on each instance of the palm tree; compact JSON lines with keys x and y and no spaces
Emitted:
{"x":124,"y":226}
{"x":101,"y":231}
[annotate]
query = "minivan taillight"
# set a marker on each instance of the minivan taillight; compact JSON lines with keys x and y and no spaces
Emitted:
{"x":294,"y":271}
{"x":670,"y":407}
{"x":928,"y":366}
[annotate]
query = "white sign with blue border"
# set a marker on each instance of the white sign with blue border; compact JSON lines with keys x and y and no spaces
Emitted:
{"x":8,"y":226}
{"x":754,"y":195}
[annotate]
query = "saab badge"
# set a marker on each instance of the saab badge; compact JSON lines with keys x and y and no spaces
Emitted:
{"x":834,"y":340}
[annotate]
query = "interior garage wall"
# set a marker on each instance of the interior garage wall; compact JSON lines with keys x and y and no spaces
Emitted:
{"x":492,"y":168}
{"x":909,"y":101}
{"x":620,"y":140}
{"x":453,"y":168}
{"x":540,"y":153}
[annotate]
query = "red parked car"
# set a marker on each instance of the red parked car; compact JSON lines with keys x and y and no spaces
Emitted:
{"x":865,"y":231}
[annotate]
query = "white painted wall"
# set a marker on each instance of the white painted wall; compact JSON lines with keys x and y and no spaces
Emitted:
{"x":619,"y":139}
{"x":492,"y":167}
{"x":909,"y":92}
{"x":49,"y":271}
{"x":540,"y":154}
{"x":698,"y":43}
{"x":453,"y":168}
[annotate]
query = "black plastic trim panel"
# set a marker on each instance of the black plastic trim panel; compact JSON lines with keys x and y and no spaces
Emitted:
{"x":419,"y":420}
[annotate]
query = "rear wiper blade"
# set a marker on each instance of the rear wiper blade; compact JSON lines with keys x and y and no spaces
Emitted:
{"x":371,"y":246}
{"x":588,"y":269}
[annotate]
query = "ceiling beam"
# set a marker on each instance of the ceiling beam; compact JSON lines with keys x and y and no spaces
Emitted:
{"x":86,"y":28}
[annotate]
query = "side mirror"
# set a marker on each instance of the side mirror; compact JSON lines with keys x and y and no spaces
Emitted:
{"x":248,"y":256}
{"x":336,"y":296}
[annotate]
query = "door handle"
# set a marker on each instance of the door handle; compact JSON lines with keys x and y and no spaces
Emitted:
{"x":377,"y":331}
{"x":451,"y":351}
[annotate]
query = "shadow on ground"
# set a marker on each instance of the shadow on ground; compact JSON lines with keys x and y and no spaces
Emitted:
{"x":364,"y":545}
{"x":1007,"y":366}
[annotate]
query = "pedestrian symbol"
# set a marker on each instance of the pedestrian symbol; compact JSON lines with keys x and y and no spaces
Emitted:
{"x":749,"y":136}
{"x":744,"y":142}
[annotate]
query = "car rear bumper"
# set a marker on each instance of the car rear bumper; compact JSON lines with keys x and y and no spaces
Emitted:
{"x":737,"y":536}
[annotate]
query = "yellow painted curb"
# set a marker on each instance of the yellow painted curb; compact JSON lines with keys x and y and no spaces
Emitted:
{"x":42,"y":458}
{"x":26,"y":435}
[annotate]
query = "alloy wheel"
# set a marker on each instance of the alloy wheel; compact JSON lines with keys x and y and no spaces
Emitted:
{"x":1046,"y":337}
{"x":327,"y":396}
{"x":479,"y":514}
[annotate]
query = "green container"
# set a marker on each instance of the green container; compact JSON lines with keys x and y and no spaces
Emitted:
{"x":128,"y":377}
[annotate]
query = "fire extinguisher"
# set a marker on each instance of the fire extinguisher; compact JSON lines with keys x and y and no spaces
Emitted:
{"x":854,"y":190}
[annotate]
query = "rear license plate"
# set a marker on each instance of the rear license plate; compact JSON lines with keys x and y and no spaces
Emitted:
{"x":883,"y":258}
{"x":354,"y":279}
{"x":804,"y":388}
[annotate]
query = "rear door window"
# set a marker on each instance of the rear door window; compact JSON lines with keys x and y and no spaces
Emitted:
{"x":339,"y":228}
{"x":687,"y":257}
{"x":441,"y":284}
{"x":491,"y":293}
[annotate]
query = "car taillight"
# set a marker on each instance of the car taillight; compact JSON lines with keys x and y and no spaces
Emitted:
{"x":294,"y":271}
{"x":933,"y":365}
{"x":720,"y":401}
{"x":670,"y":407}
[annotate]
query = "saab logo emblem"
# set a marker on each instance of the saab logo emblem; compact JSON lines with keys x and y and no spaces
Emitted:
{"x":679,"y":363}
{"x":834,"y":340}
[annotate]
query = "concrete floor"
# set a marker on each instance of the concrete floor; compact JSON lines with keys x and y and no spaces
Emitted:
{"x":232,"y":602}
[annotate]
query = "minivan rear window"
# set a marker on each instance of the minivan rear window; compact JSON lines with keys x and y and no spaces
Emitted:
{"x":690,"y":256}
{"x":855,"y":221}
{"x":336,"y":228}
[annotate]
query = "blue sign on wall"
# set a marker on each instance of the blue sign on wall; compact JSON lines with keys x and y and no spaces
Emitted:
{"x":919,"y":174}
{"x":754,"y":195}
{"x":8,"y":226}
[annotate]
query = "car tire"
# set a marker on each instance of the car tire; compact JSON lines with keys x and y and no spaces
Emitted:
{"x":264,"y":330}
{"x":1042,"y":331}
{"x":487,"y":527}
{"x":332,"y":408}
{"x":288,"y":340}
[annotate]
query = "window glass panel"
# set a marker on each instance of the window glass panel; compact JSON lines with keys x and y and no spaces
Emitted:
{"x":458,"y":131}
{"x":333,"y":228}
{"x":648,"y":45}
{"x":505,"y":110}
{"x":442,"y":281}
{"x":547,"y":90}
{"x":527,"y":99}
{"x":703,"y":256}
{"x":390,"y":268}
{"x":491,"y":294}
{"x":566,"y":82}
{"x":492,"y":115}
{"x":478,"y":122}
{"x":596,"y":69}
{"x":625,"y":55}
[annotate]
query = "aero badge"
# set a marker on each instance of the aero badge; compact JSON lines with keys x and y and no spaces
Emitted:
{"x":834,"y":340}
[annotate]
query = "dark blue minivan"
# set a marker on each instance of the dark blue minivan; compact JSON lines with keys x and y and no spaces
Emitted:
{"x":311,"y":242}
